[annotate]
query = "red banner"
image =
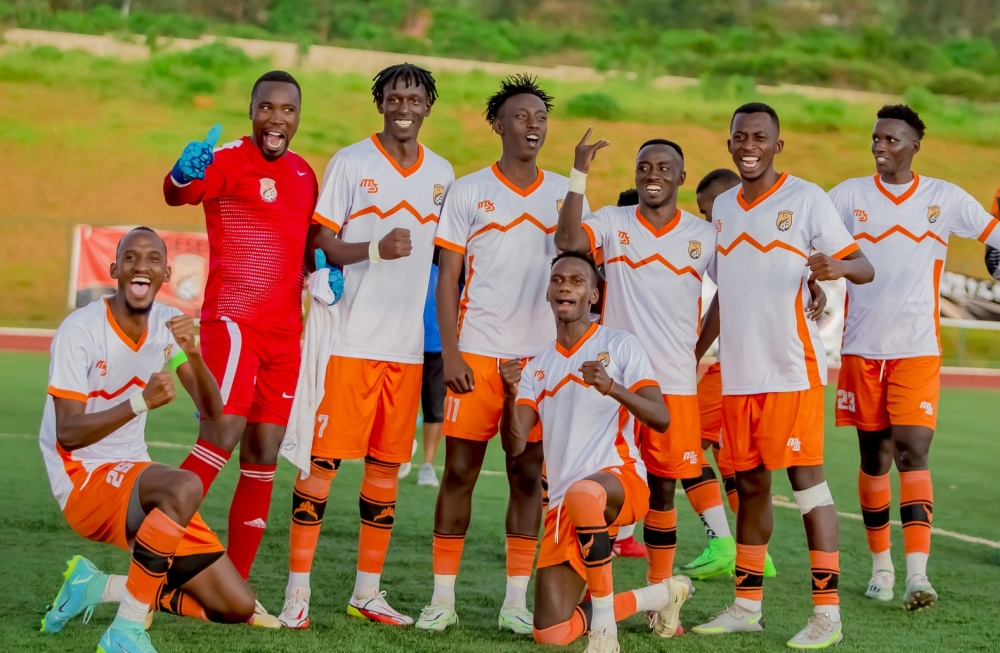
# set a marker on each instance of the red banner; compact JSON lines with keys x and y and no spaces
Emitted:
{"x":94,"y":252}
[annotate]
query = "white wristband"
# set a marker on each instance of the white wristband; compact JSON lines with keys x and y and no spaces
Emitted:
{"x":577,"y":181}
{"x":138,"y":404}
{"x":373,"y":252}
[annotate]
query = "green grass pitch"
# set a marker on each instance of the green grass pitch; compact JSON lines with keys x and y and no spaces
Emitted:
{"x":35,"y":542}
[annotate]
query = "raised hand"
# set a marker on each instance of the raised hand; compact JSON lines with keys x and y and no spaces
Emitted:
{"x":596,"y":375}
{"x":196,"y":157}
{"x":182,"y":327}
{"x":586,"y":151}
{"x":395,"y":244}
{"x":159,"y":390}
{"x":510,"y":373}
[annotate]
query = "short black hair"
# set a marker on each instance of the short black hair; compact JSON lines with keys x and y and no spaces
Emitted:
{"x":718,"y":181}
{"x":598,"y":277}
{"x":628,"y":197}
{"x":118,"y":249}
{"x":276,"y":76}
{"x":661,"y":141}
{"x":757,"y":107}
{"x":906,"y":114}
{"x":410,"y":75}
{"x":519,"y":84}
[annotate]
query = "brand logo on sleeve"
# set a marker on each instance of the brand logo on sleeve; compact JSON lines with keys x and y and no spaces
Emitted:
{"x":486,"y":206}
{"x":623,"y":238}
{"x":784,"y":222}
{"x":370,"y":185}
{"x":933,"y":213}
{"x":861,"y":215}
{"x":438,"y":194}
{"x":268,"y":192}
{"x":694,"y":249}
{"x":604,"y":358}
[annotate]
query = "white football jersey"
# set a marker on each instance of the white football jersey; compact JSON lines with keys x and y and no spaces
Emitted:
{"x":365,"y":195}
{"x":507,"y":235}
{"x":94,"y":362}
{"x":654,"y":286}
{"x":904,"y":230}
{"x":585,"y":431}
{"x":766,"y":343}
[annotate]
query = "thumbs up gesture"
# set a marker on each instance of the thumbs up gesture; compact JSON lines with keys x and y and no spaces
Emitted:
{"x":196,"y":157}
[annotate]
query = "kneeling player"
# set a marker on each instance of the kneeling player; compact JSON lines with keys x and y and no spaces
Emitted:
{"x":587,"y":389}
{"x":105,"y":374}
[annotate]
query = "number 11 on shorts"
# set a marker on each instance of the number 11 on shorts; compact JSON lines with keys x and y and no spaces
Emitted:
{"x":451,"y":409}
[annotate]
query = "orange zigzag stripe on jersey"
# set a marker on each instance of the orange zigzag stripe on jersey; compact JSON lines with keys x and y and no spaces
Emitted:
{"x":566,"y":379}
{"x":402,"y":206}
{"x":902,"y":232}
{"x":104,"y":395}
{"x":655,"y":258}
{"x":774,"y":244}
{"x":524,"y":217}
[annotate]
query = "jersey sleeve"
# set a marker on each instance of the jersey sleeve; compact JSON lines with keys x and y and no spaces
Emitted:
{"x":828,"y":233}
{"x":336,"y":196}
{"x":71,"y":361}
{"x":221,"y":178}
{"x":455,"y":225}
{"x":840,"y":196}
{"x":598,"y":226}
{"x":972,"y":221}
{"x":636,"y":370}
{"x":526,"y":395}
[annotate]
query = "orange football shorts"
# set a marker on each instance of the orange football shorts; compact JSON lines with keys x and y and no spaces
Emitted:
{"x":476,"y":415}
{"x":676,"y":453}
{"x":874,"y":394}
{"x":710,"y":403}
{"x":778,"y":429}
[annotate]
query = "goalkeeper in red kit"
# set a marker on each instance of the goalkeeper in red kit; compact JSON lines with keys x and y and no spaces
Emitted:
{"x":258,"y":198}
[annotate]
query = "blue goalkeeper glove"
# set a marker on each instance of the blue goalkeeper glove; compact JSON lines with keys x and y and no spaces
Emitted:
{"x":196,"y":158}
{"x":335,"y":278}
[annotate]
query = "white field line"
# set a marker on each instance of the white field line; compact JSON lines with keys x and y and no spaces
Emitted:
{"x":941,"y":532}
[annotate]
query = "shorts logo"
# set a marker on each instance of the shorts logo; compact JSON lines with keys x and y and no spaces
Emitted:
{"x":927,"y":407}
{"x":845,"y":401}
{"x":559,"y":204}
{"x":486,"y":206}
{"x":370,"y":185}
{"x":103,"y":366}
{"x":794,"y":444}
{"x":268,"y":192}
{"x":933,"y":213}
{"x":861,"y":215}
{"x":166,"y":352}
{"x":690,"y":457}
{"x":438,"y":194}
{"x":604,"y":358}
{"x":539,"y":375}
{"x":623,"y":238}
{"x":694,"y":249}
{"x":784,"y":222}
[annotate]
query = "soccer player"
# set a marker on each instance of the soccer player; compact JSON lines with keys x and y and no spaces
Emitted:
{"x":587,"y":389}
{"x":773,"y":368}
{"x":375,"y":218}
{"x":258,"y":198}
{"x":105,"y":375}
{"x":890,"y":375}
{"x":498,"y":223}
{"x":655,"y":256}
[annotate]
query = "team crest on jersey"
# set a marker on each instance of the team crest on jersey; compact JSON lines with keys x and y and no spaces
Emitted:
{"x":784,"y":222}
{"x":933,"y":213}
{"x":559,"y":204}
{"x":268,"y":192}
{"x":604,"y":358}
{"x":166,"y":352}
{"x":438,"y":194}
{"x":694,"y":249}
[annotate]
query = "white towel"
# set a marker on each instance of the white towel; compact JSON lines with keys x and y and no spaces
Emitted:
{"x":321,"y":328}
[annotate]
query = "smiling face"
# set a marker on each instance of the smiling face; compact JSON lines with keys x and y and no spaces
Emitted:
{"x":522,"y":123}
{"x":140,"y":268}
{"x":404,"y":108}
{"x":572,"y":289}
{"x":894,"y":144}
{"x":274,"y":112}
{"x":659,"y":172}
{"x":753,"y":142}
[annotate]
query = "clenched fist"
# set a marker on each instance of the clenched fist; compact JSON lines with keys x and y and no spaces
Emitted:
{"x":596,"y":375}
{"x":395,"y":244}
{"x":510,"y":372}
{"x":159,"y":390}
{"x":182,"y":326}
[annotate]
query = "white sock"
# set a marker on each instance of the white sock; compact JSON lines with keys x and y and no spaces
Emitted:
{"x":626,"y":532}
{"x":297,"y":579}
{"x":132,"y":609}
{"x":832,"y":610}
{"x":114,"y":589}
{"x":882,"y":562}
{"x":444,"y":590}
{"x":715,"y":522}
{"x":916,"y":563}
{"x":517,"y":590}
{"x":366,"y":584}
{"x":747,"y":604}
{"x":651,"y":598}
{"x":604,"y":614}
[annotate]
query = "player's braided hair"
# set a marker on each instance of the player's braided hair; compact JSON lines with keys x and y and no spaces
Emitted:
{"x":907,"y":115}
{"x":407,"y":73}
{"x":662,"y":141}
{"x":583,"y":257}
{"x":721,"y":179}
{"x":519,"y":84}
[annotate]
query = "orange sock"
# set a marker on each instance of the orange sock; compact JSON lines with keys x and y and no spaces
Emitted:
{"x":703,"y":492}
{"x":659,"y":532}
{"x":916,"y":510}
{"x":566,"y":632}
{"x":585,"y":502}
{"x":750,"y":571}
{"x":174,"y":601}
{"x":520,"y":554}
{"x":876,"y":495}
{"x":448,"y":554}
{"x":308,"y":505}
{"x":378,"y":512}
{"x":825,"y":577}
{"x":155,"y":544}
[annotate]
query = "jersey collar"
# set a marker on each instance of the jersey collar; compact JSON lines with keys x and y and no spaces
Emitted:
{"x":897,"y":199}
{"x":579,"y":343}
{"x":770,"y":191}
{"x":134,"y":346}
{"x":405,"y":172}
{"x":674,"y":221}
{"x":523,"y":192}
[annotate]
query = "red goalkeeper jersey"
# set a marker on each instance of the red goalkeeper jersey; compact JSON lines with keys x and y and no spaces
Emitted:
{"x":257,"y":214}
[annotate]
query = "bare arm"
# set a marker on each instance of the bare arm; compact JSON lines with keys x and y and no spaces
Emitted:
{"x":457,"y":373}
{"x":570,"y":235}
{"x":709,"y":329}
{"x":194,"y":374}
{"x":646,"y":404}
{"x":395,"y":244}
{"x":516,"y":420}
